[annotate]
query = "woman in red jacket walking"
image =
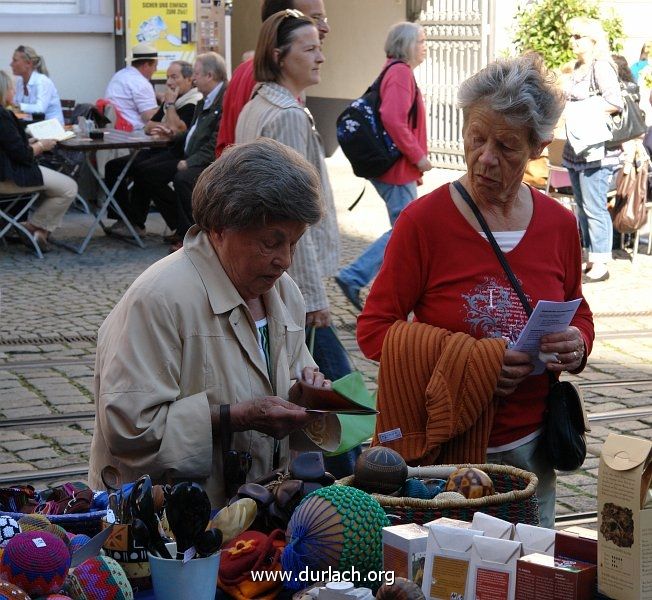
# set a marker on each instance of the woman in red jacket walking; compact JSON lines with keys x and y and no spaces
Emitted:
{"x":398,"y":186}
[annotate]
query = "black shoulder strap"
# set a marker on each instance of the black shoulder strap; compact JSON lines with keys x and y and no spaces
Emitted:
{"x":412,"y":114}
{"x":494,"y":244}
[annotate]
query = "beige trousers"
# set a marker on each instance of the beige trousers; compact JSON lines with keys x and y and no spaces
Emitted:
{"x":60,"y":191}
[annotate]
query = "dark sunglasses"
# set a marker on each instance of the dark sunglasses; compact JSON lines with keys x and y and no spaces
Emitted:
{"x":577,"y":36}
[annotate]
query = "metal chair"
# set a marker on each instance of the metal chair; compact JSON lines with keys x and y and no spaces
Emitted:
{"x":15,"y":202}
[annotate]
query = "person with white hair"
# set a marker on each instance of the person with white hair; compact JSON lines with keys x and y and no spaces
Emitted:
{"x":403,"y":115}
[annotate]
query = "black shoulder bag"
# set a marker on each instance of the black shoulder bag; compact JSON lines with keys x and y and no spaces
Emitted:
{"x":564,"y":426}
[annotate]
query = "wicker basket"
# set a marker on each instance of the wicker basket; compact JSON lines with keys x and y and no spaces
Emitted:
{"x":514,"y":501}
{"x":89,"y":523}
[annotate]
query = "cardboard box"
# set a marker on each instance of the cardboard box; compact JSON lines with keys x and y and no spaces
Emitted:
{"x":535,"y":539}
{"x":544,"y":577}
{"x":447,"y":562}
{"x":492,"y":526}
{"x":449,"y":523}
{"x":578,"y":543}
{"x":404,"y":550}
{"x":624,"y":528}
{"x":492,"y":569}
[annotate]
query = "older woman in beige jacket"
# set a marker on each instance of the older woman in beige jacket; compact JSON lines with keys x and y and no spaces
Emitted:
{"x":204,"y":344}
{"x":287,"y":59}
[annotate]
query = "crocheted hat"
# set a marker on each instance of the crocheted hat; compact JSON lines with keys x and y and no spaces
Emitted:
{"x":55,"y":597}
{"x":9,"y":591}
{"x":36,"y":561}
{"x":39,"y":522}
{"x":99,"y":578}
{"x":8,"y":528}
{"x":336,"y":526}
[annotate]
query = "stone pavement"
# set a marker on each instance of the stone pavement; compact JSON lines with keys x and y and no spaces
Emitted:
{"x":50,"y":310}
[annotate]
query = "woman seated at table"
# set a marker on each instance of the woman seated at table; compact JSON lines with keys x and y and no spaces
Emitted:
{"x":35,"y":91}
{"x":19,"y":169}
{"x":197,"y":358}
{"x":439,"y":264}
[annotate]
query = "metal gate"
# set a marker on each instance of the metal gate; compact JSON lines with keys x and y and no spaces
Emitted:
{"x":457,"y":38}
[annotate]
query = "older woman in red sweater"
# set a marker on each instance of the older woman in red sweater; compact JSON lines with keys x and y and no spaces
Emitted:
{"x":399,"y":98}
{"x":440,"y":266}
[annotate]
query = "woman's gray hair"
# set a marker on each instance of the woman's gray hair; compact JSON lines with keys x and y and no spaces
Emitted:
{"x":256,"y":183}
{"x":38,"y":62}
{"x":522,"y":90}
{"x":212,"y":64}
{"x":402,"y":40}
{"x":6,"y":84}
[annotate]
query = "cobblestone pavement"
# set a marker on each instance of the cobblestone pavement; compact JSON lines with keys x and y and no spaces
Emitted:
{"x":50,"y":310}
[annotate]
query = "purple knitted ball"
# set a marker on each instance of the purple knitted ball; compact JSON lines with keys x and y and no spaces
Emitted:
{"x":9,"y":591}
{"x":8,"y":528}
{"x":36,"y":561}
{"x":99,"y":578}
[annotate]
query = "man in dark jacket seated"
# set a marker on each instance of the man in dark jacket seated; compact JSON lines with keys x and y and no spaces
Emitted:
{"x":181,"y":164}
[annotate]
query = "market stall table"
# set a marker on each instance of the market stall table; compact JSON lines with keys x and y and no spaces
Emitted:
{"x":112,"y":140}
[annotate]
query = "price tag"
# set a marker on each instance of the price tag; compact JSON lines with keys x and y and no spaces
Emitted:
{"x":110,"y":516}
{"x":188,"y":554}
{"x":39,"y":542}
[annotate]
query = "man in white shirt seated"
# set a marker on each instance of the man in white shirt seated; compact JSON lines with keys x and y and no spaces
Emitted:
{"x":35,"y":91}
{"x":130,"y":89}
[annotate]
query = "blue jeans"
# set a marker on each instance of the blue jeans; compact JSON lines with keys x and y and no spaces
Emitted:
{"x":532,"y":457}
{"x":590,"y":188}
{"x":364,"y":268}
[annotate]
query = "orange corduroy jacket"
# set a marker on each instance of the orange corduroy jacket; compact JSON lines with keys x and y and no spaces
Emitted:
{"x":435,"y":391}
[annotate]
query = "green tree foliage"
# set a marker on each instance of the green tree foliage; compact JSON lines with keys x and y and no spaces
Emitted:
{"x":541,"y":26}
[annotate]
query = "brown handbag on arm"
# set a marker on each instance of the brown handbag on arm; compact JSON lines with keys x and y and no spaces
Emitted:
{"x":564,"y":421}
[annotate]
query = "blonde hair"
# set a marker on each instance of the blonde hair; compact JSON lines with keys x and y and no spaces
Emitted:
{"x":37,"y":61}
{"x":592,"y":29}
{"x":6,"y":84}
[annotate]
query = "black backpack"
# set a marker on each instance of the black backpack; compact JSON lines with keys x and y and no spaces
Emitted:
{"x":361,"y":134}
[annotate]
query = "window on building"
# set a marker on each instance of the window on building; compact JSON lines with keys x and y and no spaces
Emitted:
{"x":31,"y":7}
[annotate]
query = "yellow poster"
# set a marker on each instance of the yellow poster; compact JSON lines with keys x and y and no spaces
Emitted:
{"x":164,"y":24}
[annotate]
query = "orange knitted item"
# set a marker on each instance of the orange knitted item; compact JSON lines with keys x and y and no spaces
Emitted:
{"x":437,"y":387}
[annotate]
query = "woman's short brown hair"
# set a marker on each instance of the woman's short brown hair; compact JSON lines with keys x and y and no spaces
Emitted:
{"x":256,"y":183}
{"x":277,"y":32}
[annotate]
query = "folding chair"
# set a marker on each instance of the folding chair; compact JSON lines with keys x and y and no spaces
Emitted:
{"x":14,"y":203}
{"x":558,"y":181}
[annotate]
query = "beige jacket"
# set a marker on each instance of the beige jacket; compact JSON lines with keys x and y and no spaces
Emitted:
{"x":275,"y":114}
{"x":179,"y":340}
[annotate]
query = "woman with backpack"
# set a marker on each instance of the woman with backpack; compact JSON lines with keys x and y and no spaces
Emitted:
{"x":403,"y":116}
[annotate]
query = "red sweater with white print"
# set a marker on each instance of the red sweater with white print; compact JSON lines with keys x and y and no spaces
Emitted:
{"x":397,"y":93}
{"x":438,"y":266}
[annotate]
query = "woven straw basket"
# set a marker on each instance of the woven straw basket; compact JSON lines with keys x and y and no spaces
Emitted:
{"x":514,"y":501}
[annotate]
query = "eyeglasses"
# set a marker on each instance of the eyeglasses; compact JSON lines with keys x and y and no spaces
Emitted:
{"x":320,"y":19}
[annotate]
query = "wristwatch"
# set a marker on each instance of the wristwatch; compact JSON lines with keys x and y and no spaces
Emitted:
{"x":167,"y":105}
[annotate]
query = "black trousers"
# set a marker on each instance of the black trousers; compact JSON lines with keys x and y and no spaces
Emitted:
{"x":184,"y":183}
{"x":151,"y":184}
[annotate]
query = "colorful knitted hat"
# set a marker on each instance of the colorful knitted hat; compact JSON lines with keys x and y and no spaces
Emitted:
{"x":36,"y":561}
{"x":39,"y":522}
{"x":8,"y":528}
{"x":99,"y":578}
{"x":9,"y":591}
{"x":54,"y":597}
{"x":336,"y":526}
